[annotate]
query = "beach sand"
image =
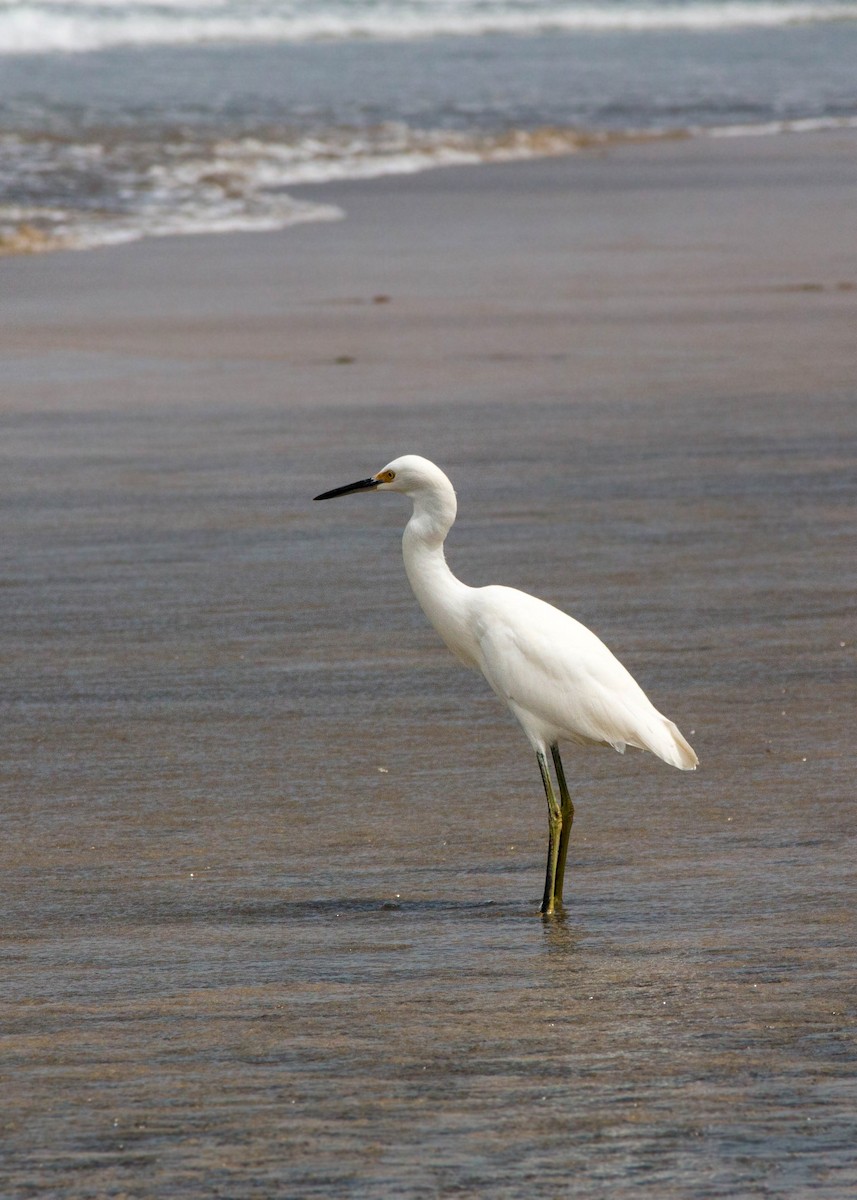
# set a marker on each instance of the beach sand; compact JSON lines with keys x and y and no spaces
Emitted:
{"x":271,"y":859}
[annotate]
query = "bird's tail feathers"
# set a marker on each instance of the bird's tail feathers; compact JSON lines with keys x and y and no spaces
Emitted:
{"x":663,"y":738}
{"x":675,"y":749}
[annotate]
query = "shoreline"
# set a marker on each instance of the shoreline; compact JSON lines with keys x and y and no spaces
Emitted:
{"x":713,"y":267}
{"x":460,"y":150}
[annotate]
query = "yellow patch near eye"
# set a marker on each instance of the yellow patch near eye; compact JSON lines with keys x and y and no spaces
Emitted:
{"x":386,"y":476}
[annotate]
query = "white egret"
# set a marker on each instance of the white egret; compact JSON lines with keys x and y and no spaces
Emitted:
{"x":557,"y":677}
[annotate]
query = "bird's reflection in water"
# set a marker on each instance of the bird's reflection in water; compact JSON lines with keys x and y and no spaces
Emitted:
{"x":561,"y":936}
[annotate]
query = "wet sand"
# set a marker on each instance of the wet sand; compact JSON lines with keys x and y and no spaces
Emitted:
{"x":271,"y":859}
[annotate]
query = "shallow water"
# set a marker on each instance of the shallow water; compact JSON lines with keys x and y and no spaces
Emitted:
{"x":272,"y":861}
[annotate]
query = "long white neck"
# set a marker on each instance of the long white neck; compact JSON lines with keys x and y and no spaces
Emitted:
{"x":442,"y":597}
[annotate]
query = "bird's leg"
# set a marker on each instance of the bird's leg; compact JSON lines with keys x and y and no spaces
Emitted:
{"x":554,"y":836}
{"x":567,"y":811}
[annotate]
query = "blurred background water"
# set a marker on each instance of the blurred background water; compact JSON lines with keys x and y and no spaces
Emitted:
{"x":122,"y":120}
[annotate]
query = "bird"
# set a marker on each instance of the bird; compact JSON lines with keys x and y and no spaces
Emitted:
{"x":557,"y":677}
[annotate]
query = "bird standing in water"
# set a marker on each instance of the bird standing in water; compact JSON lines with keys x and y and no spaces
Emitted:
{"x":557,"y":677}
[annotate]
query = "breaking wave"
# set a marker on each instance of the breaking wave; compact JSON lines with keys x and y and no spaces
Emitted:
{"x":54,"y":26}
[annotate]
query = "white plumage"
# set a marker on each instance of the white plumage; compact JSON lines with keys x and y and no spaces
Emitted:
{"x":557,"y":677}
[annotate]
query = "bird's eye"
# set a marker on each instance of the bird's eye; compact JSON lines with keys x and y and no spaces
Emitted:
{"x":387,"y":476}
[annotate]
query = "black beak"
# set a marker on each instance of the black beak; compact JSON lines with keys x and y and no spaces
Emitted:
{"x":362,"y":485}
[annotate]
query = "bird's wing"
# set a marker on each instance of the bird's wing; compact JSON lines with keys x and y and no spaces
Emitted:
{"x":559,"y":679}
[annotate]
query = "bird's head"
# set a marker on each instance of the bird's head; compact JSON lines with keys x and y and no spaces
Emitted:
{"x":409,"y":474}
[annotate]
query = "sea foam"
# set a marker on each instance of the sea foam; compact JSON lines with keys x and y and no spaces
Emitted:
{"x":85,"y":25}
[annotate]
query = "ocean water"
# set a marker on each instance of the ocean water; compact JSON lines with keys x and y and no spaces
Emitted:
{"x":120,"y":120}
